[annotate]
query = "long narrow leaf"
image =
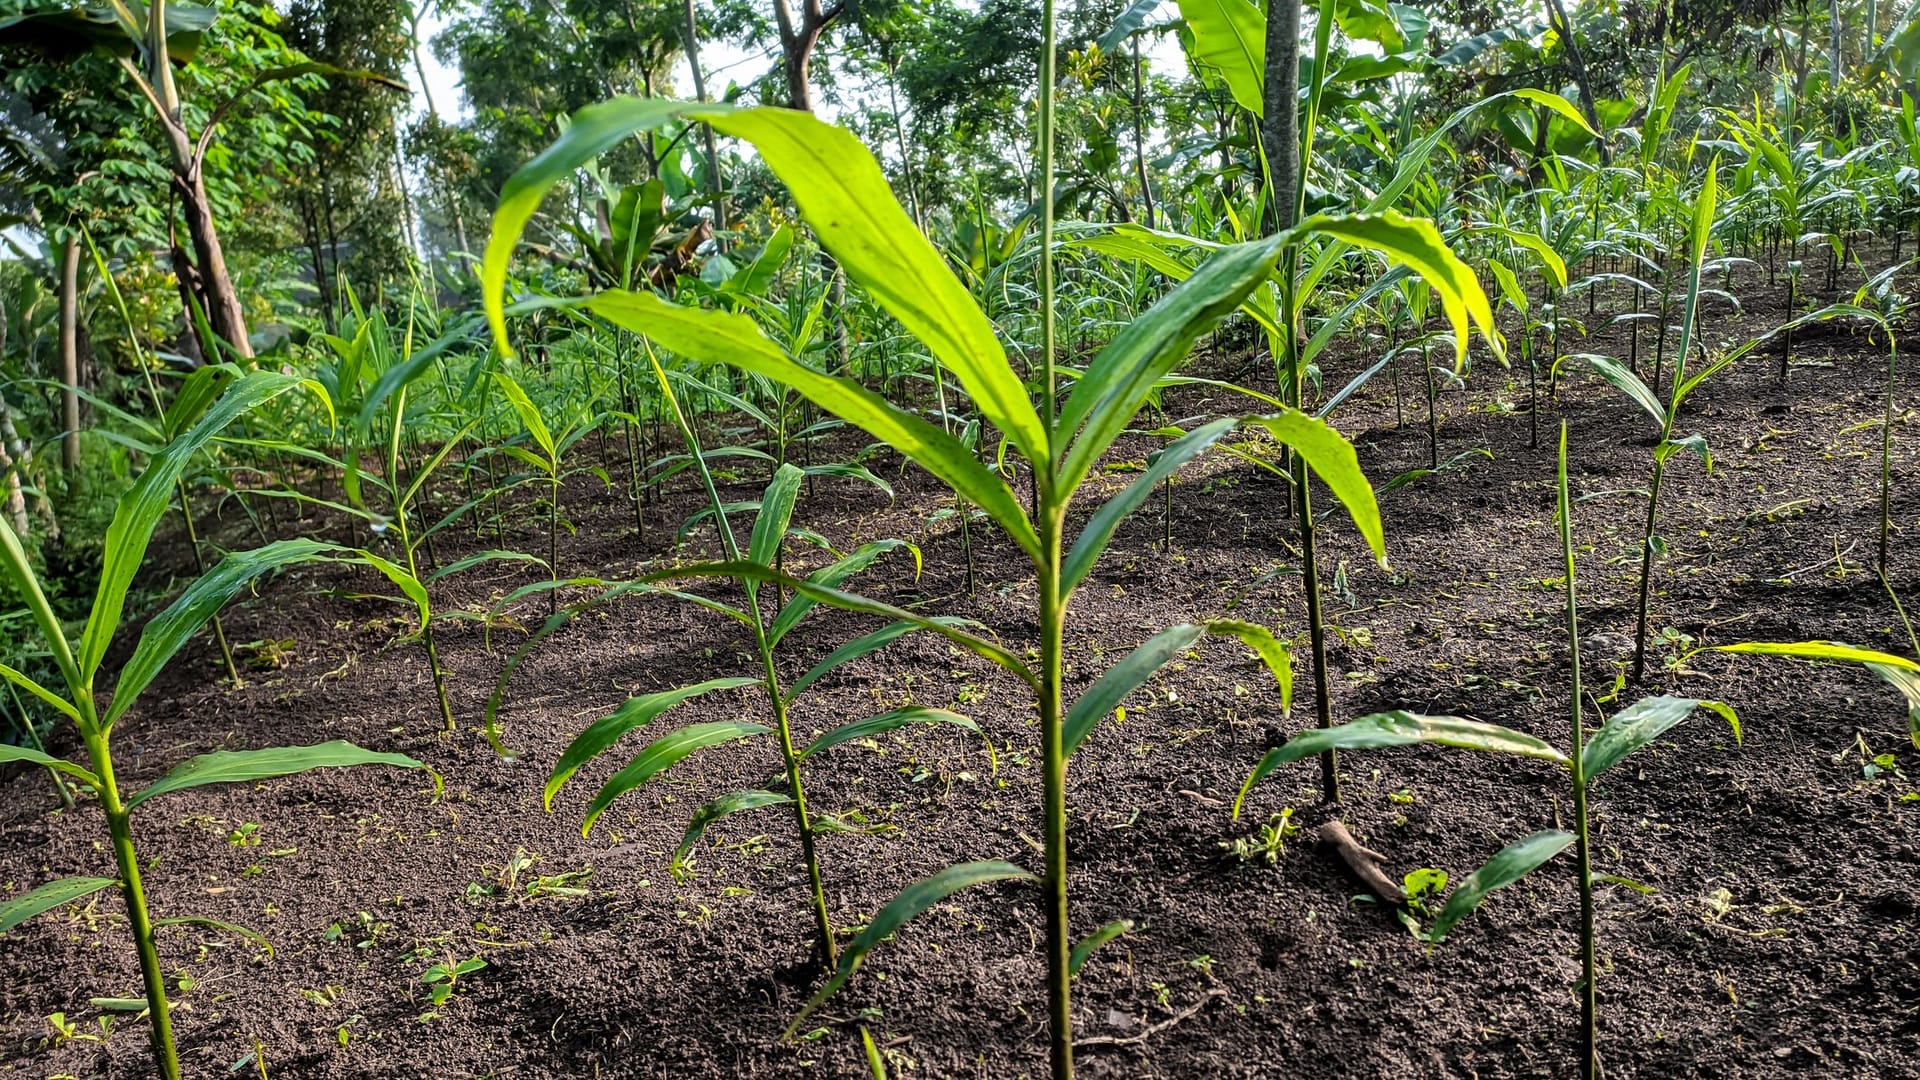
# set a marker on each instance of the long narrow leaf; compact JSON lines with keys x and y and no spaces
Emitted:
{"x":15,"y":910}
{"x":1401,"y":729}
{"x":662,"y":754}
{"x":243,"y":766}
{"x":902,"y":909}
{"x":635,"y":713}
{"x":1507,"y":866}
{"x":1639,"y":724}
{"x":723,"y":337}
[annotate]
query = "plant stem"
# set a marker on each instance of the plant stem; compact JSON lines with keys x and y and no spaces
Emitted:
{"x":200,"y":568}
{"x":1051,"y":515}
{"x":166,"y":1057}
{"x":1589,"y":1058}
{"x":822,"y":920}
{"x":1886,"y":452}
{"x":1054,"y":791}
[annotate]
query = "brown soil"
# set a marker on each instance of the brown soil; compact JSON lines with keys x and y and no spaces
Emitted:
{"x":1775,"y":935}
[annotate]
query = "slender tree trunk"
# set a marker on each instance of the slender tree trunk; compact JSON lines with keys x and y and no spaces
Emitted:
{"x":714,"y":189}
{"x":1139,"y":134}
{"x":217,"y":294}
{"x":70,"y":353}
{"x":1578,"y":67}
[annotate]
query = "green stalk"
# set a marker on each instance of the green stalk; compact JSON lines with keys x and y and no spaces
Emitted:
{"x":1051,"y":515}
{"x":165,"y":1055}
{"x":823,"y":922}
{"x":1054,"y":787}
{"x":553,"y":537}
{"x":1697,"y":243}
{"x":413,"y":567}
{"x":1589,"y":1054}
{"x":1886,"y":453}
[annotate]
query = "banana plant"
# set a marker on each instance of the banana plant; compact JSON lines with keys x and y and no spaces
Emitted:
{"x":842,"y":193}
{"x":137,"y":514}
{"x":1623,"y":733}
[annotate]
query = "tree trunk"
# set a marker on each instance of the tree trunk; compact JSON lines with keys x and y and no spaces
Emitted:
{"x":217,"y":295}
{"x":1139,"y":134}
{"x":713,"y":154}
{"x":70,"y":354}
{"x":1578,"y":66}
{"x":1280,"y":128}
{"x":1833,"y":52}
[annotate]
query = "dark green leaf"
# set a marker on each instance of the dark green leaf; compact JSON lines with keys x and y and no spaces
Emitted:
{"x":1509,"y":865}
{"x":662,"y":754}
{"x":902,"y":909}
{"x":243,"y":766}
{"x":1639,"y":724}
{"x":751,"y":799}
{"x":15,"y":910}
{"x":635,"y":713}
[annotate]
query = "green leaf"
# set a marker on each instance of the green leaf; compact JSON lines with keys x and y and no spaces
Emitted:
{"x":592,"y":131}
{"x":1416,"y":244}
{"x":242,"y":766}
{"x":1908,"y":683}
{"x":141,"y":508}
{"x":751,"y":799}
{"x":1558,"y":104}
{"x":403,"y":578}
{"x":211,"y":923}
{"x":718,"y":337}
{"x":1333,"y":460}
{"x":861,"y":646}
{"x":1507,"y":866}
{"x":1084,"y":948}
{"x":18,"y":572}
{"x":1629,"y":384}
{"x":10,"y":752}
{"x":1119,"y":379}
{"x":1401,"y":728}
{"x":842,"y":193}
{"x":1115,"y":683}
{"x":635,"y":713}
{"x":1639,"y":724}
{"x":529,"y":415}
{"x":1902,"y":673}
{"x":479,"y":557}
{"x":1127,"y":25}
{"x":1230,"y":36}
{"x":15,"y":910}
{"x":662,"y":754}
{"x":832,"y":576}
{"x":1271,"y":650}
{"x":902,"y":909}
{"x":1552,"y":266}
{"x":847,"y":601}
{"x":167,"y":632}
{"x":891,"y":721}
{"x":776,"y":511}
{"x":1106,"y":521}
{"x":25,"y":682}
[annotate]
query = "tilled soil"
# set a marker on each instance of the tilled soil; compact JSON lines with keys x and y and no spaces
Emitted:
{"x":1761,"y":921}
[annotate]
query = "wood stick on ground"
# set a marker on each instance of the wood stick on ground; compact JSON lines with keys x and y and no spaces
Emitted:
{"x":1361,"y":862}
{"x":1129,"y":1040}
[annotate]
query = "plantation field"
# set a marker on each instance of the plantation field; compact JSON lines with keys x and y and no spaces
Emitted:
{"x":1757,"y":914}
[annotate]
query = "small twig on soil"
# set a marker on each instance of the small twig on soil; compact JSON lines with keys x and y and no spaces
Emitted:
{"x":1130,"y":1040}
{"x":1815,"y":566}
{"x":1363,"y":863}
